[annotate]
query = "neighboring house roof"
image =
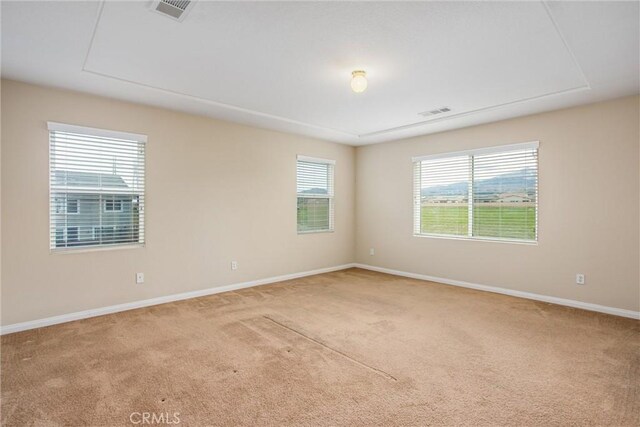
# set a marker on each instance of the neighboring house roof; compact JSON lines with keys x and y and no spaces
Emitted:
{"x":63,"y":178}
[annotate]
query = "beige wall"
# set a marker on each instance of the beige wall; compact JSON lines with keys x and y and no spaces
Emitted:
{"x":216,"y":192}
{"x":588,"y":207}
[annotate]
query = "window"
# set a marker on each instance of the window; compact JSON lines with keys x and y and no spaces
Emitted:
{"x":96,"y":187}
{"x":113,"y":205}
{"x":489,"y":193}
{"x":73,"y":206}
{"x":72,"y":235}
{"x":315,"y":194}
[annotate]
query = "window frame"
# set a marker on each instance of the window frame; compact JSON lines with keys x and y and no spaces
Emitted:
{"x":76,"y":232}
{"x":105,"y":133}
{"x":113,"y":205}
{"x":77,"y":203}
{"x":416,"y":211}
{"x":330,"y":193}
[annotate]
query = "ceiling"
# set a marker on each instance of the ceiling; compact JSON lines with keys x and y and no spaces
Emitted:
{"x":287,"y":65}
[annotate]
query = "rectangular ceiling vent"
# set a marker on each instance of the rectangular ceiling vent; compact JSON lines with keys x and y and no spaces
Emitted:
{"x":174,"y":9}
{"x":435,"y":112}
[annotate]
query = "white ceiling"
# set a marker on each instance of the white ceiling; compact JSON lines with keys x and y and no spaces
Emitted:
{"x":287,"y":65}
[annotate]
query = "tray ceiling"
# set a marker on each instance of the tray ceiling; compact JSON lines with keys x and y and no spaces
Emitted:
{"x":287,"y":66}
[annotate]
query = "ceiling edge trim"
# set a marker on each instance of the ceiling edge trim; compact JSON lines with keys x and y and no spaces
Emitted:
{"x":227,"y":106}
{"x":93,"y":34}
{"x":479,"y":110}
{"x":564,"y":41}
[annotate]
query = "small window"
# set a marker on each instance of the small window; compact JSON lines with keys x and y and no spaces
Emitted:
{"x":72,"y":234}
{"x":73,"y":206}
{"x":113,"y":205}
{"x":489,"y":193}
{"x":96,"y":186}
{"x":315,"y":210}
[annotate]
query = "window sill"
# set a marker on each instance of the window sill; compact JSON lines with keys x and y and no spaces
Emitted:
{"x":479,"y":239}
{"x":315,"y":231}
{"x":82,"y":249}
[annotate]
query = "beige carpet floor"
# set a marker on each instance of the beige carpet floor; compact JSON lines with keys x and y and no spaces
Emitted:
{"x":347,"y":348}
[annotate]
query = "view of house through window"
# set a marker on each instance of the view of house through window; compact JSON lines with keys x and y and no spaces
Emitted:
{"x":487,"y":193}
{"x":96,"y":187}
{"x":315,"y":194}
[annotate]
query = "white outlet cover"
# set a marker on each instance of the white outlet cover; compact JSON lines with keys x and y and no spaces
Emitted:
{"x":139,"y":277}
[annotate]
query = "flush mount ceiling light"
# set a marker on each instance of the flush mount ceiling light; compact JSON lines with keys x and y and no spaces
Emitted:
{"x":358,"y":81}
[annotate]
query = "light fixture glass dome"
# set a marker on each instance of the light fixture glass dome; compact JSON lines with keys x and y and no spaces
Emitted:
{"x":358,"y":81}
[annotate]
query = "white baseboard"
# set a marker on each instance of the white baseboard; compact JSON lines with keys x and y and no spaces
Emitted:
{"x":528,"y":295}
{"x":48,"y":321}
{"x":39,"y":323}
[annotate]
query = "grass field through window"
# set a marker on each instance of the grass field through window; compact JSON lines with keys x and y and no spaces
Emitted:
{"x":514,"y":222}
{"x":313,"y":214}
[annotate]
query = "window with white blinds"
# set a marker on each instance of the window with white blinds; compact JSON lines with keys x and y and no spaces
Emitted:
{"x":315,"y":194}
{"x":490,"y":193}
{"x":96,"y":187}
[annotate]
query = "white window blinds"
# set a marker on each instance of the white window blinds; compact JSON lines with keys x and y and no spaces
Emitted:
{"x":315,"y":208}
{"x":96,"y":187}
{"x":489,"y":193}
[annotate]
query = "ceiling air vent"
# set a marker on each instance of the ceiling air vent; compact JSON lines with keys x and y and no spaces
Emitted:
{"x":435,"y":112}
{"x":174,"y":9}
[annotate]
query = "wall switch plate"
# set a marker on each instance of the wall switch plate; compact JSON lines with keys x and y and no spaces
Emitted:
{"x":580,"y":279}
{"x":372,"y":251}
{"x":234,"y":265}
{"x":139,"y":278}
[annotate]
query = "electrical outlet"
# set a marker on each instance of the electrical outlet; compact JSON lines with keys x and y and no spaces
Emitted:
{"x":580,"y":279}
{"x":234,"y":265}
{"x":139,"y":278}
{"x":372,"y":251}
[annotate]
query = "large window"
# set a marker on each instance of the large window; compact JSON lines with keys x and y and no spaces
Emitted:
{"x":96,"y":187}
{"x":489,"y":193}
{"x":315,"y":194}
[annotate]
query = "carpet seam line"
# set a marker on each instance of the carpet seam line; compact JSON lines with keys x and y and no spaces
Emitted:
{"x":356,"y":361}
